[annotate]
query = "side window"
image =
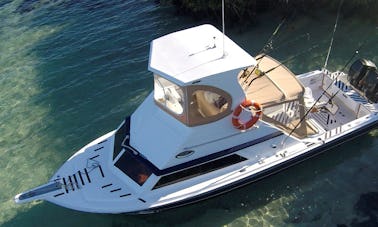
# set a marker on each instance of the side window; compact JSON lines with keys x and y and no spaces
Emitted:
{"x":207,"y":104}
{"x":198,"y":170}
{"x":169,"y":95}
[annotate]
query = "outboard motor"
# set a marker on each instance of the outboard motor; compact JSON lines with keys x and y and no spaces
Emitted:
{"x":363,"y":76}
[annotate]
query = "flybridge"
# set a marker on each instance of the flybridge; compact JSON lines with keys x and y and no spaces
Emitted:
{"x":188,"y":55}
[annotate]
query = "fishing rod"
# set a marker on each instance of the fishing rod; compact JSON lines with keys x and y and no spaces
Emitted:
{"x":356,"y":52}
{"x":318,"y":99}
{"x":262,"y":73}
{"x":267,"y":44}
{"x":305,"y":35}
{"x":268,"y":47}
{"x":325,"y":65}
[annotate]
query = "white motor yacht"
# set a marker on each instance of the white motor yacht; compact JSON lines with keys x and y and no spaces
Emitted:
{"x":216,"y":120}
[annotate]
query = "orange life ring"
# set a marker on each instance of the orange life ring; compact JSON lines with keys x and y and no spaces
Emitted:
{"x":254,"y":118}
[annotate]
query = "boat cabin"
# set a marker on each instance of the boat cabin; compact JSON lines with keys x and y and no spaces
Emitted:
{"x":200,"y":78}
{"x":196,"y":83}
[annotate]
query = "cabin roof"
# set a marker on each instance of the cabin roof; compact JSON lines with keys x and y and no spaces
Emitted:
{"x":195,"y":53}
{"x":277,"y":86}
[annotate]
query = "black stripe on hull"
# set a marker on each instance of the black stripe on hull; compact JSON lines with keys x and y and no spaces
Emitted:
{"x":265,"y":173}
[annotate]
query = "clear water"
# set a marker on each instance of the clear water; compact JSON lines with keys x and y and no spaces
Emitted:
{"x":70,"y":71}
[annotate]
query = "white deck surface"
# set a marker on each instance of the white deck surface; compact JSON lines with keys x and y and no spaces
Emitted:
{"x":194,"y":53}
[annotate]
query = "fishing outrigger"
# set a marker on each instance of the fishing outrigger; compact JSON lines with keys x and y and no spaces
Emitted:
{"x":217,"y":119}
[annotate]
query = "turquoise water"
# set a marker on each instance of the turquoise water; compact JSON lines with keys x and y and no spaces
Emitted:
{"x":71,"y":70}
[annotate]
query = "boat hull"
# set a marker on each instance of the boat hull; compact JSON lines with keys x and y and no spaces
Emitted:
{"x":265,"y":173}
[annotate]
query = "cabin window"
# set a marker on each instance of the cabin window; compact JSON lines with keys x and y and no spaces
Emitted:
{"x":133,"y":167}
{"x":169,"y":95}
{"x":120,"y":136}
{"x":194,"y":104}
{"x":207,"y":104}
{"x":198,"y":170}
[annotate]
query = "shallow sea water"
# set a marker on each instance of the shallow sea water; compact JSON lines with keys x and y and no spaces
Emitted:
{"x":70,"y":71}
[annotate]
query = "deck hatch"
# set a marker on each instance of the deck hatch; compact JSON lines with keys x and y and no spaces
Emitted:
{"x":133,"y":167}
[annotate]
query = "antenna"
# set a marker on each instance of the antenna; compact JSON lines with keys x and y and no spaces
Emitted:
{"x":223,"y":27}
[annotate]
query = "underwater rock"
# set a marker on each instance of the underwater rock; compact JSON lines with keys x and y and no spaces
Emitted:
{"x":27,"y":6}
{"x":3,"y":3}
{"x":367,"y":206}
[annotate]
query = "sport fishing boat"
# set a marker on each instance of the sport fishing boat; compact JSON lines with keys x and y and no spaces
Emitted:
{"x":216,"y":120}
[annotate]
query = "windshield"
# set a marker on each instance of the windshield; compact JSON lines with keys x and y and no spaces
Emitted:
{"x":133,"y":167}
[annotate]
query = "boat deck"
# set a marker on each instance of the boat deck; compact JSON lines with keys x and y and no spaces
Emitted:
{"x":336,"y":107}
{"x":338,"y":104}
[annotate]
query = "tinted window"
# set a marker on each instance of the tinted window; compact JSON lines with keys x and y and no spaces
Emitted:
{"x":207,"y":104}
{"x":198,"y":170}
